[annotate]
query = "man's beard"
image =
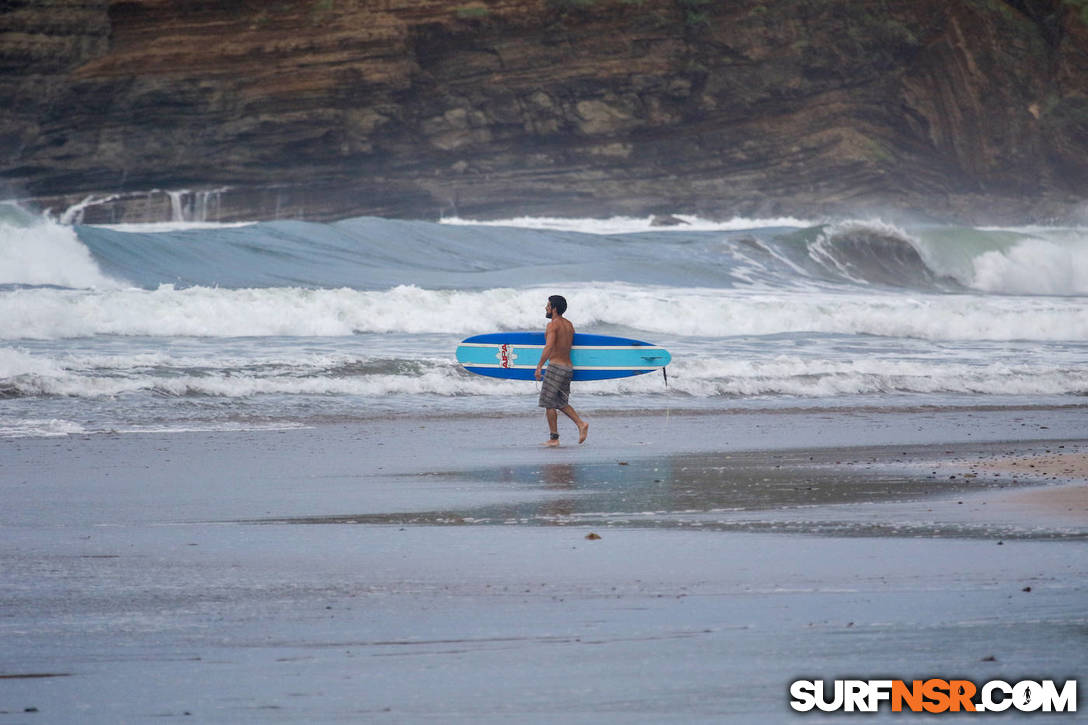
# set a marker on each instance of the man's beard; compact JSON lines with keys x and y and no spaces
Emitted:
{"x":548,"y":315}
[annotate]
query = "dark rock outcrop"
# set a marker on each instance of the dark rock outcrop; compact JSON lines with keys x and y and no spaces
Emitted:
{"x":417,"y":108}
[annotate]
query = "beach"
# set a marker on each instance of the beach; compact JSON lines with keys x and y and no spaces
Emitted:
{"x":448,"y":568}
{"x":244,"y":478}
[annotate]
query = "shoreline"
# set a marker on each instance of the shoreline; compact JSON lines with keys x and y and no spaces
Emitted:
{"x":525,"y":413}
{"x":520,"y":410}
{"x":935,"y":448}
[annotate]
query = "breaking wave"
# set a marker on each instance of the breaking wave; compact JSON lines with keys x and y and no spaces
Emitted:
{"x":183,"y":325}
{"x":36,"y":251}
{"x":381,"y":254}
{"x":24,"y":374}
{"x":49,"y":313}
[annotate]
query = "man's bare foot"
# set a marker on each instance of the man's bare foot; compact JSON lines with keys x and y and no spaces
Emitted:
{"x":583,"y":431}
{"x":553,"y":443}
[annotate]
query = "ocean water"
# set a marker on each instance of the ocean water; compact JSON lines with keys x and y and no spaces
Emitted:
{"x":203,"y":326}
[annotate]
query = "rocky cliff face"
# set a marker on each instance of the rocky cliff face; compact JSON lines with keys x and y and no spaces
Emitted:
{"x":417,"y":108}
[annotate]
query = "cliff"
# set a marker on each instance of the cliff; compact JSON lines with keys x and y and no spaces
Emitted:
{"x":417,"y":108}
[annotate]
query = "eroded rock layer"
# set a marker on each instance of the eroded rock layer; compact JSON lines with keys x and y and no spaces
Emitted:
{"x":418,"y":108}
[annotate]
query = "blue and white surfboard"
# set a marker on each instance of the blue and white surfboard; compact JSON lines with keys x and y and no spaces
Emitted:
{"x":514,"y":355}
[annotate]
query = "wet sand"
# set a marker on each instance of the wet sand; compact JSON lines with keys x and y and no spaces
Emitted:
{"x":1067,"y":500}
{"x":413,"y":570}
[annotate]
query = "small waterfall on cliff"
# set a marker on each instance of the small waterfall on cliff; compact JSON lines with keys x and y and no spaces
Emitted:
{"x":194,"y":206}
{"x":74,"y":214}
{"x":177,"y":205}
{"x":185,"y":206}
{"x":206,"y":200}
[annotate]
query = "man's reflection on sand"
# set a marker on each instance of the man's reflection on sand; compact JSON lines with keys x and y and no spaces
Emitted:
{"x":550,"y":477}
{"x":589,"y":487}
{"x":685,"y":484}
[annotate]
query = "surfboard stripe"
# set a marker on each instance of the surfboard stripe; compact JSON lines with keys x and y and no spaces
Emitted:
{"x":576,"y":367}
{"x":579,"y":375}
{"x":537,"y":338}
{"x":640,"y":348}
{"x":519,"y":356}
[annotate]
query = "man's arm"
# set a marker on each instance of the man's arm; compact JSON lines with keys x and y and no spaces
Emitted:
{"x":549,"y":347}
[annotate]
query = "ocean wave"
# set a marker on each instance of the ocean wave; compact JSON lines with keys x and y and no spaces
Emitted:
{"x":36,"y":251}
{"x":806,"y":377}
{"x":39,"y":428}
{"x":633,"y":225}
{"x":181,"y":326}
{"x":875,"y":253}
{"x":380,"y":254}
{"x":1033,"y":266}
{"x":46,"y":313}
{"x":28,"y":376}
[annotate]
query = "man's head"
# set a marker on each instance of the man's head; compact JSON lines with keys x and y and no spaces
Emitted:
{"x":556,"y":303}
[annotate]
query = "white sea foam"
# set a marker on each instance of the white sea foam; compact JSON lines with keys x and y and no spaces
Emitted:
{"x":167,"y":227}
{"x":698,"y":376}
{"x":38,"y":428}
{"x":293,"y":312}
{"x":444,"y":380}
{"x":633,"y":225}
{"x":728,"y":313}
{"x":14,"y":363}
{"x":1034,"y":266}
{"x":45,"y":252}
{"x":775,"y":319}
{"x":819,"y":377}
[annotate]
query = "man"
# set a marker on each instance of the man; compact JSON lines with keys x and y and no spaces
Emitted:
{"x":558,"y":339}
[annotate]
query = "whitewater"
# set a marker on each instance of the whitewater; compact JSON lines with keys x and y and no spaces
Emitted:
{"x":204,"y":326}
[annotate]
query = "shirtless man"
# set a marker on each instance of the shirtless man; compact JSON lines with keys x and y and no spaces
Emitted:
{"x":558,"y":338}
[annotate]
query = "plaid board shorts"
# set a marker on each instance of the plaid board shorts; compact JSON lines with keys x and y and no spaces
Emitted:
{"x":555,"y":390}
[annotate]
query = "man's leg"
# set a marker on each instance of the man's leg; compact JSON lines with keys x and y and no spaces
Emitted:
{"x":583,"y":427}
{"x":553,"y":426}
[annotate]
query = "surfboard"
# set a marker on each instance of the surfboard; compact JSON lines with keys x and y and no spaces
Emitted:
{"x":514,"y":355}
